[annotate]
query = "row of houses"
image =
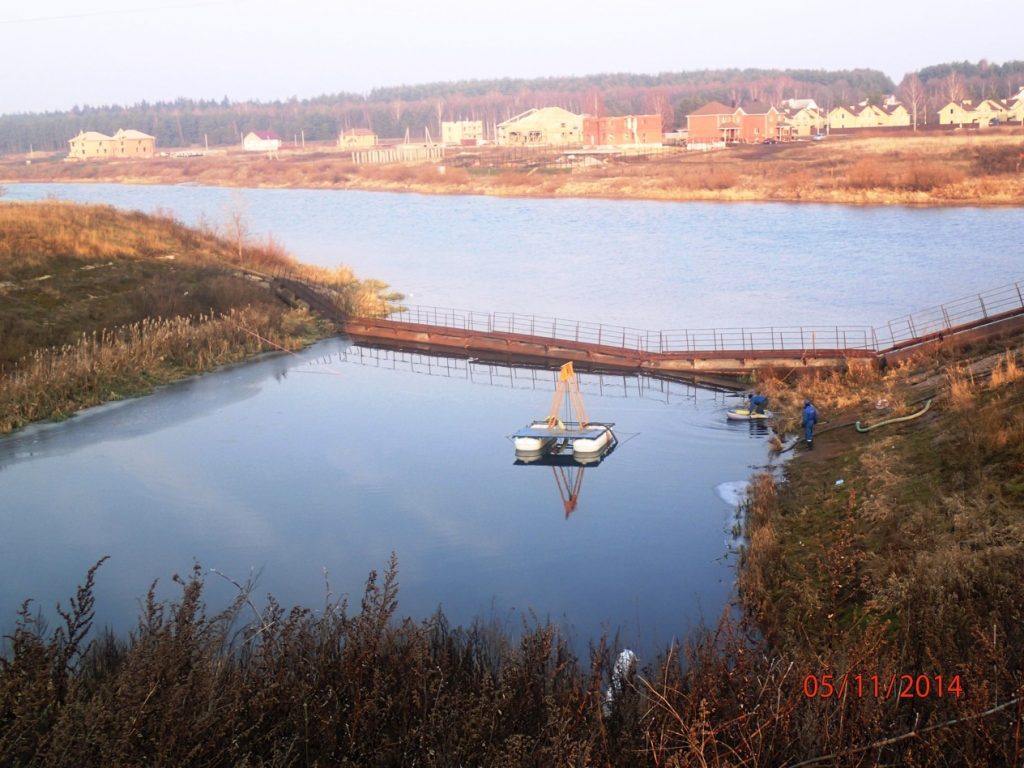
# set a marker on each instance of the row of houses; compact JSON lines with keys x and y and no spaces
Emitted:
{"x":985,"y":112}
{"x":799,"y":118}
{"x":752,"y":122}
{"x":713,"y":123}
{"x":125,"y":143}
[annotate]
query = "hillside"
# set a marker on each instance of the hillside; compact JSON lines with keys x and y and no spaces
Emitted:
{"x":99,"y":303}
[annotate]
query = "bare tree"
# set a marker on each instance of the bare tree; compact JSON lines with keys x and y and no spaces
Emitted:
{"x":913,"y":93}
{"x":954,"y":85}
{"x":237,"y":226}
{"x":661,"y":105}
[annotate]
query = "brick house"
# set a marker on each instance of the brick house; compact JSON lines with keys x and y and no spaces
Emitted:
{"x":748,"y":123}
{"x":712,"y":123}
{"x":621,"y":130}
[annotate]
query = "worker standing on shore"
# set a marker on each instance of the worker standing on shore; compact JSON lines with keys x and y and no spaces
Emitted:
{"x":808,"y":420}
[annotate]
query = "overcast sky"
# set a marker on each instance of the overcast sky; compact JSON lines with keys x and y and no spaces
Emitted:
{"x":55,"y":54}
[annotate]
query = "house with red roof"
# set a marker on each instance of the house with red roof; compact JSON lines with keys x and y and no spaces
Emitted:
{"x":751,"y":122}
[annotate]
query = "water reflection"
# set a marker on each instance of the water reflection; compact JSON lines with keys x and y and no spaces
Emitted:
{"x":338,"y":456}
{"x":518,"y":377}
{"x":568,"y":474}
{"x":195,"y":398}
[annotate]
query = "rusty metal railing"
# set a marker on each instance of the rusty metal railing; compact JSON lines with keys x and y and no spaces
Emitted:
{"x":639,"y":339}
{"x":972,"y":309}
{"x":975,"y":309}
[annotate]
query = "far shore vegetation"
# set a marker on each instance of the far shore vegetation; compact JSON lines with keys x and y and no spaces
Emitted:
{"x":927,"y":169}
{"x":98,"y":304}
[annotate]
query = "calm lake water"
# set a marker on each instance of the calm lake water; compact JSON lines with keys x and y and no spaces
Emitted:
{"x":332,"y":459}
{"x":637,"y":263}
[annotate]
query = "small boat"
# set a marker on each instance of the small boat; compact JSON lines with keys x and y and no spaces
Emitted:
{"x":744,"y":414}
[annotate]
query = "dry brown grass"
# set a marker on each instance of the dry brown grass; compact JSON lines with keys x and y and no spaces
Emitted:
{"x":53,"y":383}
{"x":1006,"y":371}
{"x":962,"y":388}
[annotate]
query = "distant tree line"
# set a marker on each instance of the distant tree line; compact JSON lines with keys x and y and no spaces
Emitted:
{"x":392,"y":112}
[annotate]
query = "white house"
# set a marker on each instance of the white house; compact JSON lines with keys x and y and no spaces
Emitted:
{"x":261,"y":141}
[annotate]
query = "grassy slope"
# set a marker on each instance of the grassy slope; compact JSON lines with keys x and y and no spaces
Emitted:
{"x":77,"y":282}
{"x":929,"y":169}
{"x":914,"y":558}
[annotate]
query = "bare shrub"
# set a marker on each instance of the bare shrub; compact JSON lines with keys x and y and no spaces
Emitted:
{"x":924,"y":176}
{"x":869,"y":173}
{"x":1006,"y":371}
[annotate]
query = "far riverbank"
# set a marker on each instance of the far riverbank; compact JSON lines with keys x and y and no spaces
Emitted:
{"x":952,"y":169}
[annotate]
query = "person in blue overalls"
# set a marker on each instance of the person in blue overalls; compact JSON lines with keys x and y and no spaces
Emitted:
{"x":809,"y":419}
{"x":758,"y":401}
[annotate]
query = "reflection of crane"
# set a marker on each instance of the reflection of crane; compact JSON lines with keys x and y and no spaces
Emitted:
{"x":569,"y":481}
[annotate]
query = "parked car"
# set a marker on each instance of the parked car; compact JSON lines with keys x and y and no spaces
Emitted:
{"x":770,"y":141}
{"x":994,"y":121}
{"x":818,"y":137}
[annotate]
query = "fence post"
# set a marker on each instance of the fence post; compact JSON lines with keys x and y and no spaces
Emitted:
{"x":984,"y":311}
{"x":577,"y":331}
{"x":1020,"y":297}
{"x":661,"y":341}
{"x":599,"y":327}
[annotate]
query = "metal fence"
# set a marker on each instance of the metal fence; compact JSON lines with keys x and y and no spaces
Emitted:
{"x":639,"y":339}
{"x":973,"y":309}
